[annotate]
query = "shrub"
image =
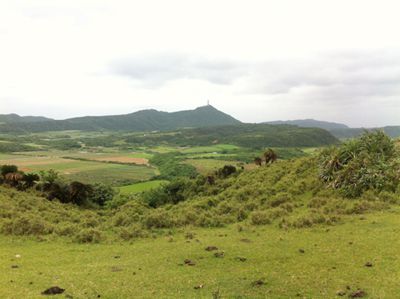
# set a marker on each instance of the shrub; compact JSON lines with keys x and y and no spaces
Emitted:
{"x":370,"y":162}
{"x":158,"y":219}
{"x":260,"y":218}
{"x":66,"y":229}
{"x":100,"y":194}
{"x":90,"y":235}
{"x":226,"y":171}
{"x":132,"y":232}
{"x":171,"y":193}
{"x":5,"y":169}
{"x":26,"y":225}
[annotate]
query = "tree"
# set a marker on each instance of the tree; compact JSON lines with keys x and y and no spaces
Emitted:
{"x":49,"y":176}
{"x":258,"y":161}
{"x":226,"y":171}
{"x":5,"y":169}
{"x":101,"y":194}
{"x":79,"y":192}
{"x":270,"y":156}
{"x":29,"y":180}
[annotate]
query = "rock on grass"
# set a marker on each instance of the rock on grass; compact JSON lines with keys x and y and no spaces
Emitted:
{"x":53,"y":291}
{"x":358,"y":294}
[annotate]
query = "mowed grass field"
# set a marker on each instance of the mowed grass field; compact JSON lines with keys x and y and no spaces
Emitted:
{"x":258,"y":262}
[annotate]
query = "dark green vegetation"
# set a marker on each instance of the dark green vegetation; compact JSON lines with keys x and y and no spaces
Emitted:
{"x":338,"y":130}
{"x":256,"y":136}
{"x":310,"y":123}
{"x":146,"y":120}
{"x":50,"y":185}
{"x":14,"y":118}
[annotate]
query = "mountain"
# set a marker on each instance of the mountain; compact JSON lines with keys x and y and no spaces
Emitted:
{"x":145,"y":120}
{"x":15,"y":118}
{"x":310,"y":123}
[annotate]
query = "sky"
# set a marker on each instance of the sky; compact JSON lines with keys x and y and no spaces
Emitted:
{"x":334,"y":60}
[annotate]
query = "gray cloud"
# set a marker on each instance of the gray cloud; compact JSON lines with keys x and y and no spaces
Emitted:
{"x":339,"y":76}
{"x":336,"y":76}
{"x":156,"y":70}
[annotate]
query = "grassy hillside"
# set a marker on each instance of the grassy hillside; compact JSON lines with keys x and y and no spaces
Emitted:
{"x":277,"y":233}
{"x":287,"y":194}
{"x":146,"y":120}
{"x":282,"y":230}
{"x":246,"y":135}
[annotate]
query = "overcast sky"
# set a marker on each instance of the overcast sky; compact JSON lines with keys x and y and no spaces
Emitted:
{"x":256,"y":60}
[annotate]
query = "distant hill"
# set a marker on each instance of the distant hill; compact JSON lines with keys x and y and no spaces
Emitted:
{"x":15,"y":118}
{"x":246,"y":135}
{"x":265,"y":135}
{"x":338,"y":130}
{"x":145,"y":120}
{"x":310,"y":123}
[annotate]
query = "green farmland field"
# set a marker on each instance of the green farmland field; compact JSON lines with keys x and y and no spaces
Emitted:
{"x":140,"y":187}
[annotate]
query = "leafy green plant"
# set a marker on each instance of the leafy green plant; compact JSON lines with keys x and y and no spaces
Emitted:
{"x":369,"y":162}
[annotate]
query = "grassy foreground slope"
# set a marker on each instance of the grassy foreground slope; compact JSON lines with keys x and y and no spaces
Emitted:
{"x":334,"y":260}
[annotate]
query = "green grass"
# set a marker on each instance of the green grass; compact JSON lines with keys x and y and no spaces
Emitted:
{"x":6,"y":156}
{"x":114,"y":174}
{"x":210,"y":149}
{"x":140,"y":155}
{"x":205,"y":166}
{"x":334,"y":258}
{"x":140,"y":187}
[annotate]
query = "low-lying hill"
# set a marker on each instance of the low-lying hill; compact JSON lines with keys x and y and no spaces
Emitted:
{"x":141,"y":121}
{"x":246,"y":135}
{"x":310,"y":123}
{"x":340,"y":131}
{"x":15,"y":118}
{"x":392,"y":131}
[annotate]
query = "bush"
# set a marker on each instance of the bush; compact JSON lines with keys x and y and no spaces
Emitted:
{"x":171,"y":193}
{"x":226,"y":171}
{"x":158,"y":219}
{"x":5,"y":169}
{"x":100,"y":194}
{"x":26,"y":225}
{"x":260,"y":218}
{"x":370,"y":162}
{"x":132,"y":232}
{"x":90,"y":235}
